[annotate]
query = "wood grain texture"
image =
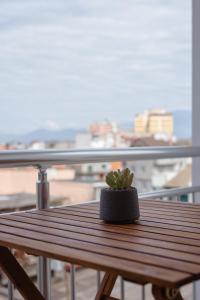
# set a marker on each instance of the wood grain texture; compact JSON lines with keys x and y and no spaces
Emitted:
{"x":163,"y":248}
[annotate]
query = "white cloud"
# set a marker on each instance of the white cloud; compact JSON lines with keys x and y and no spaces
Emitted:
{"x":51,"y":125}
{"x":77,"y":59}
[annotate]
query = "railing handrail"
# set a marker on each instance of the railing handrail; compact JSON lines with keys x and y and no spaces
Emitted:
{"x":169,"y":192}
{"x":47,"y":158}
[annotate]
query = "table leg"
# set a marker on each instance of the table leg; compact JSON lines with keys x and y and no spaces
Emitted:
{"x":160,"y":293}
{"x":17,"y":275}
{"x":106,"y":287}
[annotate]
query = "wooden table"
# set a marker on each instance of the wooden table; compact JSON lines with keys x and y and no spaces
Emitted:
{"x":162,"y":248}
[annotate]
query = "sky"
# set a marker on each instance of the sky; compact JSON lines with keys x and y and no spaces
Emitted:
{"x":67,"y":63}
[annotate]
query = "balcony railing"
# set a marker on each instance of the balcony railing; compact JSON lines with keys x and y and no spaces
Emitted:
{"x":42,"y":160}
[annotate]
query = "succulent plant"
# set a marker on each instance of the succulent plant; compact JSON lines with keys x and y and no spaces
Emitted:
{"x":120,"y":179}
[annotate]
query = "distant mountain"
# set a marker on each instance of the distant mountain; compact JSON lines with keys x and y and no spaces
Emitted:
{"x":51,"y":135}
{"x":182,"y":124}
{"x":43,"y":135}
{"x":182,"y":130}
{"x":127,"y":125}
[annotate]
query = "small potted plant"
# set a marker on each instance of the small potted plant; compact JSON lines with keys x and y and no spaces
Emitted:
{"x":119,"y":203}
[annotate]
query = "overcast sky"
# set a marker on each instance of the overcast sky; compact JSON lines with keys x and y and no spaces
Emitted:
{"x":68,"y":63}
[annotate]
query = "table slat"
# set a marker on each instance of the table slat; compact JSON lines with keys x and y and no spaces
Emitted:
{"x":163,"y":247}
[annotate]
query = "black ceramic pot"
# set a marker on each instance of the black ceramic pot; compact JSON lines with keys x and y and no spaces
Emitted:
{"x":119,"y":206}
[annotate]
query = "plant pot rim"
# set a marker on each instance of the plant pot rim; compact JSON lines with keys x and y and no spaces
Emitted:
{"x":119,"y":190}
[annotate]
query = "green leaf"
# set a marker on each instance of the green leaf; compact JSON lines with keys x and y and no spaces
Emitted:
{"x":119,"y":179}
{"x":130,"y":180}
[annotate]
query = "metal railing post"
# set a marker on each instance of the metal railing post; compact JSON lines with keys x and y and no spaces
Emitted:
{"x":196,"y":105}
{"x":72,"y":281}
{"x":98,"y":279}
{"x":44,"y":273}
{"x":193,"y":197}
{"x":143,"y":293}
{"x":122,"y":290}
{"x":10,"y":290}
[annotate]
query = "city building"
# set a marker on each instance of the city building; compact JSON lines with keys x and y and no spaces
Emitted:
{"x":143,"y":170}
{"x":83,"y":140}
{"x":102,"y":128}
{"x":158,"y":123}
{"x":106,"y":135}
{"x":164,"y":170}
